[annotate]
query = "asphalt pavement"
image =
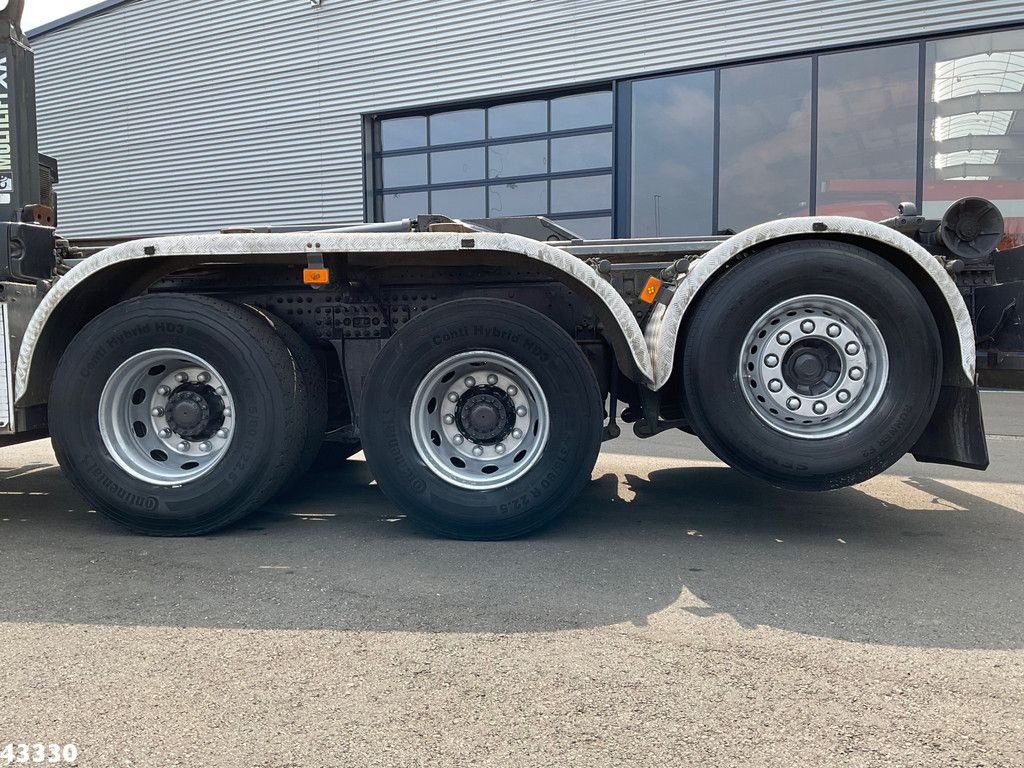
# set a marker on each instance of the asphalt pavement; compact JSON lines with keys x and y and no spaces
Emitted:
{"x":678,"y":615}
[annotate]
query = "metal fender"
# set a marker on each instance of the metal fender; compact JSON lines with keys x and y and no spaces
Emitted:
{"x":663,"y":330}
{"x":228,"y":248}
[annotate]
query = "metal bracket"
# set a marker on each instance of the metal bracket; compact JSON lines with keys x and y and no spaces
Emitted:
{"x":314,"y":258}
{"x":316,"y":275}
{"x":665,"y":294}
{"x":649,"y":425}
{"x":612,"y":430}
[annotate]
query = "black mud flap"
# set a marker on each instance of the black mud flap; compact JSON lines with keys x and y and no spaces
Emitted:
{"x":956,"y":432}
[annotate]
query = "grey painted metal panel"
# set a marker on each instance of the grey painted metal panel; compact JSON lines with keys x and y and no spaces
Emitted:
{"x":171,"y":117}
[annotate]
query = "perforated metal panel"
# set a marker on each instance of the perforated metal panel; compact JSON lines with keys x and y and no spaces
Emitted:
{"x":172,"y":117}
{"x":6,"y":375}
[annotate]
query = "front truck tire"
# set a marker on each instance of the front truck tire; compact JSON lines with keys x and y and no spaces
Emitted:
{"x":812,"y":365}
{"x":177,"y":415}
{"x":482,"y":419}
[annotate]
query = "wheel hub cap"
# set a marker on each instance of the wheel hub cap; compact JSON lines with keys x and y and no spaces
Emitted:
{"x":195,"y":413}
{"x":814,"y":366}
{"x":485,"y":415}
{"x":811,"y":367}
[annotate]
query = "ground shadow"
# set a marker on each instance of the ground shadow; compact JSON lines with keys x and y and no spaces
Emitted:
{"x":338,"y":555}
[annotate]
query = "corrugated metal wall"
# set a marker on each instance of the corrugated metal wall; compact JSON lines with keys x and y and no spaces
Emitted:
{"x":170,"y":116}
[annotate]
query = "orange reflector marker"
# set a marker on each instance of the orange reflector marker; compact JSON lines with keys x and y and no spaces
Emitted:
{"x":650,"y":291}
{"x":316,"y":276}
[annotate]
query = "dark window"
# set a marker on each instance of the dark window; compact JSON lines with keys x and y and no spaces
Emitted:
{"x":523,"y":199}
{"x":974,"y":145}
{"x":405,"y":170}
{"x":456,"y":165}
{"x":403,"y":133}
{"x":765,"y":145}
{"x":460,"y":202}
{"x":867,"y":131}
{"x":521,"y":159}
{"x":402,"y":205}
{"x":517,"y":119}
{"x":578,"y":153}
{"x":455,"y":170}
{"x":673,"y":150}
{"x":581,"y":194}
{"x":581,"y":111}
{"x":456,"y":127}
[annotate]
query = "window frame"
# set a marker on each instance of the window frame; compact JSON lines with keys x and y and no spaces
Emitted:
{"x":621,"y":130}
{"x":376,"y":191}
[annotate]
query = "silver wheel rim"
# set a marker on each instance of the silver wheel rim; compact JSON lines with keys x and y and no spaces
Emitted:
{"x":165,"y":416}
{"x":479,"y":420}
{"x":814,"y":366}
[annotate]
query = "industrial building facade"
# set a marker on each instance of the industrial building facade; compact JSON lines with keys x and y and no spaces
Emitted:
{"x":613,"y":118}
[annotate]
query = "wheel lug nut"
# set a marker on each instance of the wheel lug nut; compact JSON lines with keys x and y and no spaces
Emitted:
{"x":221,"y":391}
{"x":458,"y":439}
{"x":852,"y":348}
{"x":492,"y":379}
{"x":499,"y":448}
{"x":783,"y":338}
{"x":183,"y":446}
{"x":856,"y":374}
{"x":164,"y":433}
{"x":771,"y":361}
{"x":163,"y":390}
{"x":842,"y":396}
{"x":449,"y":419}
{"x":775,"y":385}
{"x":793,"y":403}
{"x":203,"y":377}
{"x":512,"y":391}
{"x":227,"y":413}
{"x":478,"y":450}
{"x":833,"y":330}
{"x":158,"y":411}
{"x":819,"y":407}
{"x":181,"y":378}
{"x":453,"y":397}
{"x":222,"y":434}
{"x":807,"y":326}
{"x":469,"y":381}
{"x":517,"y":434}
{"x":205,"y":447}
{"x":521,"y":410}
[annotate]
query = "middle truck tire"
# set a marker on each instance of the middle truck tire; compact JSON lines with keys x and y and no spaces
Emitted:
{"x":481,"y":419}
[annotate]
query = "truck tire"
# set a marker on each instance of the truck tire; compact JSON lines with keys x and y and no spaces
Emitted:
{"x":813,"y":365}
{"x":482,"y":419}
{"x":177,"y":415}
{"x":313,"y":391}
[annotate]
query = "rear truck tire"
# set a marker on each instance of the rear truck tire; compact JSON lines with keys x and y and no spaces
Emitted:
{"x":177,"y":415}
{"x":313,"y":391}
{"x":482,"y":419}
{"x":812,"y":365}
